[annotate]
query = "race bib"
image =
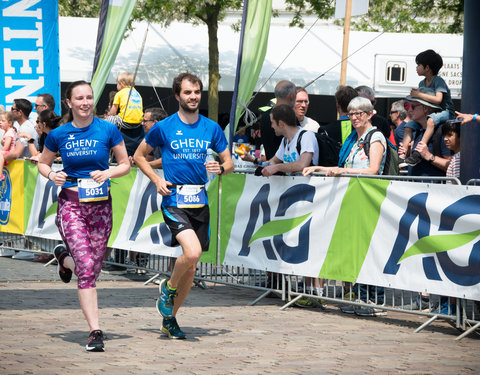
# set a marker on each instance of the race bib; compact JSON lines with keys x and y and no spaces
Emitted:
{"x":191,"y":196}
{"x":91,"y":191}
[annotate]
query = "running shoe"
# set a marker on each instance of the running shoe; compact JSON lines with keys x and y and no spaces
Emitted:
{"x":369,"y":311}
{"x":132,"y":266}
{"x":412,"y":160}
{"x":95,"y":342}
{"x":165,"y":301}
{"x":172,"y":330}
{"x":309,"y":302}
{"x":61,"y":253}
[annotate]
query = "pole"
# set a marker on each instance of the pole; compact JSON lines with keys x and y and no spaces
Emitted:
{"x":470,"y":133}
{"x":136,"y":68}
{"x":233,"y":109}
{"x":346,"y":35}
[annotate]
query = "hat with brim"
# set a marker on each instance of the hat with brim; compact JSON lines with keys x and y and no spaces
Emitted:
{"x":427,"y":91}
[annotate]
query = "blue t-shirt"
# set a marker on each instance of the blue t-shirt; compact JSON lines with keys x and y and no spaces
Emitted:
{"x":84,"y":150}
{"x":184,"y":149}
{"x":439,"y":85}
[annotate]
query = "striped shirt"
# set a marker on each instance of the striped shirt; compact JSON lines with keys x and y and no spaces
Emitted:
{"x":454,"y":167}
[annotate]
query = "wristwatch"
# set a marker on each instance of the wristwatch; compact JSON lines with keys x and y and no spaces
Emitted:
{"x":31,"y":140}
{"x":222,"y":170}
{"x":432,"y":158}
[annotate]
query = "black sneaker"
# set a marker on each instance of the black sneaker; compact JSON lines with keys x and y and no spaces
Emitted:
{"x":61,"y":253}
{"x":412,"y":160}
{"x":95,"y":342}
{"x":172,"y":330}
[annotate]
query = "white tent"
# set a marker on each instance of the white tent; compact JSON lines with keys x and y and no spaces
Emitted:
{"x":385,"y":62}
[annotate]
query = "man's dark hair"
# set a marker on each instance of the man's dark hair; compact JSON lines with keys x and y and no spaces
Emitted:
{"x":344,"y":95}
{"x":48,"y":101}
{"x":451,"y":127}
{"x":285,"y":113}
{"x":177,"y":81}
{"x":156,"y":113}
{"x":430,"y":58}
{"x":23,"y":105}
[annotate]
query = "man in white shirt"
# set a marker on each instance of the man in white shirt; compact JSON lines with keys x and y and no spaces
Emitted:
{"x":21,"y":109}
{"x":301,"y":108}
{"x":289,"y":158}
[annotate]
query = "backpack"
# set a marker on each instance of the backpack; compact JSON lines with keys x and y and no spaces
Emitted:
{"x":328,"y":148}
{"x":391,"y":159}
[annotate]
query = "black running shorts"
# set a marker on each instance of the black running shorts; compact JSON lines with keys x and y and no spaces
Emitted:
{"x":179,"y":219}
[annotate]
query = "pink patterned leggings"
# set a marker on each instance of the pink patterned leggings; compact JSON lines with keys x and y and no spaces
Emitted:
{"x":85,"y":229}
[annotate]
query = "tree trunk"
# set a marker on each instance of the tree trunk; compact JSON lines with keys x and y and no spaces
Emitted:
{"x":213,"y":71}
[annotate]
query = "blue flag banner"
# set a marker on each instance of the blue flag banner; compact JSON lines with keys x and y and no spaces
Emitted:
{"x":29,"y":50}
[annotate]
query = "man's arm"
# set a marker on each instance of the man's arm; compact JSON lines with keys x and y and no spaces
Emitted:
{"x":140,"y":158}
{"x":296,"y":166}
{"x":227,"y":163}
{"x":440,"y":162}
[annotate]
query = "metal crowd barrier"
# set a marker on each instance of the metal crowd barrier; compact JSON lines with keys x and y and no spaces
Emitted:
{"x":464,"y":314}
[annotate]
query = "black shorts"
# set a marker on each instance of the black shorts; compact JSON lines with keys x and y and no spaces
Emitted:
{"x":179,"y":219}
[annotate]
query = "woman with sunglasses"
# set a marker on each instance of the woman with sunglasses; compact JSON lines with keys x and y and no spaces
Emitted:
{"x":47,"y":121}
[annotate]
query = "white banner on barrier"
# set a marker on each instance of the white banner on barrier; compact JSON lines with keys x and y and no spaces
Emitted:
{"x":428,"y":240}
{"x":43,"y":213}
{"x":284,"y":224}
{"x":143,"y":202}
{"x":413,"y":236}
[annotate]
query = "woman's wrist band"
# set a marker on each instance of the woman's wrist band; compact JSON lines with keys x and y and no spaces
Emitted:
{"x":475,"y":117}
{"x":49,"y":175}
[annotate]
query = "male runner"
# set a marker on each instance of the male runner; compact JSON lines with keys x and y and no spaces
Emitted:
{"x":184,"y":139}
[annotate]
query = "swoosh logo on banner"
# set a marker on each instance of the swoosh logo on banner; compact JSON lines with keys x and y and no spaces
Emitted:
{"x":439,"y":243}
{"x":155,"y":218}
{"x":51,"y":210}
{"x":275,"y":227}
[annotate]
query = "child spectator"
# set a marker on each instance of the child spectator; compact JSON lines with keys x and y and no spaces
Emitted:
{"x":9,"y":138}
{"x":451,"y":136}
{"x":127,"y":112}
{"x":429,"y":64}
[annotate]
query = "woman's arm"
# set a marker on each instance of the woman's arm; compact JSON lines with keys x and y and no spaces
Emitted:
{"x":121,"y":169}
{"x":376,"y":155}
{"x":45,"y":168}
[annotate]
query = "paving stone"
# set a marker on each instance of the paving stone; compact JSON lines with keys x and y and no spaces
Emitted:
{"x":43,"y":332}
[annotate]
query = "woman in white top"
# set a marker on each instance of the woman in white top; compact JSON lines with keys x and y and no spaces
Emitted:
{"x":360,"y":110}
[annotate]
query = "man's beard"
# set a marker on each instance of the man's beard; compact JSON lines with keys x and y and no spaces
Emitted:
{"x":186,"y":108}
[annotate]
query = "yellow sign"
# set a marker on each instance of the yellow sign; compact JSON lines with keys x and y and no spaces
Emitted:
{"x":12,"y":198}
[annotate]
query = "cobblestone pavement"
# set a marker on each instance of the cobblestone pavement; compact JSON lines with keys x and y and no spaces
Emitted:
{"x":42,"y":331}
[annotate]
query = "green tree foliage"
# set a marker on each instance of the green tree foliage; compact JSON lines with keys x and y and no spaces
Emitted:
{"x":206,"y":12}
{"x":413,"y":16}
{"x":79,"y":8}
